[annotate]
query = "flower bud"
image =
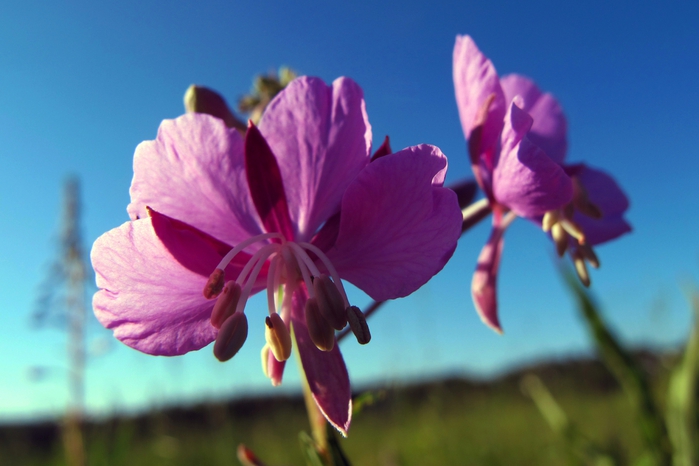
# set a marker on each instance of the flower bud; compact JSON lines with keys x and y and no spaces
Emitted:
{"x":199,"y":99}
{"x":231,"y":336}
{"x":319,"y":329}
{"x":278,"y":338}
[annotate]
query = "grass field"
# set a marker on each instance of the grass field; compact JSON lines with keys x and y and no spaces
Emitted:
{"x":446,"y":422}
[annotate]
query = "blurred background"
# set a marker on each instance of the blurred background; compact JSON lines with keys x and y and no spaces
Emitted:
{"x":82,"y":83}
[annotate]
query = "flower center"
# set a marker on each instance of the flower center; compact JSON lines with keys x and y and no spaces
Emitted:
{"x":289,"y":265}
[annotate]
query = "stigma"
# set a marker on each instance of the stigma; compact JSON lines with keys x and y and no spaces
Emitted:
{"x":291,"y":265}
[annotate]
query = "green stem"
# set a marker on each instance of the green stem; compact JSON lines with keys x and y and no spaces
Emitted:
{"x":629,"y":375}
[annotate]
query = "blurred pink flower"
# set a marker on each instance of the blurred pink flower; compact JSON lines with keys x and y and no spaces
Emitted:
{"x":517,"y":144}
{"x":303,"y":207}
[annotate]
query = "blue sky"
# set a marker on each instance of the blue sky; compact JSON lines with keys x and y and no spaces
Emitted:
{"x":82,"y":83}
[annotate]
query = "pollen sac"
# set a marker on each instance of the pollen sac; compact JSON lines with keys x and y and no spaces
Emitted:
{"x":214,"y":284}
{"x":278,"y":338}
{"x":358,"y":324}
{"x":589,"y":255}
{"x":265,"y":361}
{"x":231,"y":336}
{"x":330,"y":302}
{"x":322,"y":334}
{"x":550,"y":219}
{"x":573,"y":229}
{"x":581,"y":269}
{"x":226,"y":304}
{"x":560,"y":237}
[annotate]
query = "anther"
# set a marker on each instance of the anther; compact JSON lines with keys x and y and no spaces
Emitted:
{"x":214,"y":284}
{"x":560,"y":237}
{"x":330,"y":302}
{"x":581,"y":269}
{"x":550,"y":219}
{"x":278,"y":338}
{"x":265,"y":361}
{"x":231,"y":336}
{"x":322,"y":334}
{"x":573,"y":229}
{"x":589,"y":255}
{"x":358,"y":324}
{"x":226,"y":304}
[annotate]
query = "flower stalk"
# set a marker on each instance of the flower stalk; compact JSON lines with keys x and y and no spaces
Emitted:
{"x":629,"y":375}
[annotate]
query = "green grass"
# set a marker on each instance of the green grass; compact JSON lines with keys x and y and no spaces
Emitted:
{"x":451,"y":422}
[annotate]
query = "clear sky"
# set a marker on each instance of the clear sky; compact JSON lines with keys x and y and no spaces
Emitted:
{"x":82,"y":83}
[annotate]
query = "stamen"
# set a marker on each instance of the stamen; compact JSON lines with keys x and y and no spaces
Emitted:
{"x":261,"y":257}
{"x":303,"y":267}
{"x":265,"y":361}
{"x":581,"y":269}
{"x":240,"y":246}
{"x":550,"y":219}
{"x":330,"y":303}
{"x":214,"y":284}
{"x":320,"y":331}
{"x":265,"y":251}
{"x":589,"y":255}
{"x":278,"y":338}
{"x":573,"y":229}
{"x":271,"y":283}
{"x":226,"y":304}
{"x":231,"y":337}
{"x":358,"y":324}
{"x":328,"y":265}
{"x":560,"y":237}
{"x":301,"y":254}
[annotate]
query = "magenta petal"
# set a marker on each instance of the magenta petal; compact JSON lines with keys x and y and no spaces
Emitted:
{"x":602,"y":230}
{"x":525,"y":179}
{"x":265,"y":183}
{"x":152,"y":302}
{"x":603,"y":191}
{"x":321,"y":137}
{"x":475,"y":79}
{"x":325,"y":371}
{"x":195,"y":250}
{"x":550,"y":126}
{"x":383,"y":150}
{"x":194,"y":172}
{"x":484,"y":282}
{"x":398,"y":226}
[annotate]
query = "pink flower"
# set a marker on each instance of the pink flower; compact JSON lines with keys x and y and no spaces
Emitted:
{"x":517,"y":144}
{"x":294,"y":208}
